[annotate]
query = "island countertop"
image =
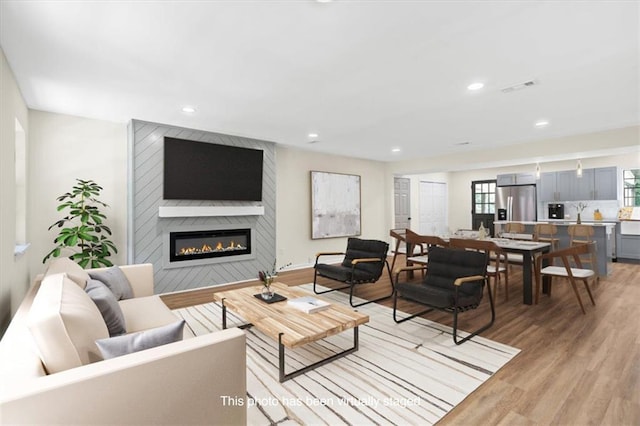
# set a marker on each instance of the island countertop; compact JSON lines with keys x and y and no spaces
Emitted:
{"x":560,"y":222}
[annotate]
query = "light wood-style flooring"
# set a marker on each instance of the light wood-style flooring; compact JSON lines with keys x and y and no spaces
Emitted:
{"x":573,"y":369}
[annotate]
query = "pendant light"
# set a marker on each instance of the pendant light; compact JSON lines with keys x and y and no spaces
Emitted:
{"x":537,"y":171}
{"x":579,"y":169}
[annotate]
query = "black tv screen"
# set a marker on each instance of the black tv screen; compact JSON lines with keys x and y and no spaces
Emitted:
{"x":208,"y":171}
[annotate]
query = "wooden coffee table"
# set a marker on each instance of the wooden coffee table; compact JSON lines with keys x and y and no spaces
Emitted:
{"x":291,"y":327}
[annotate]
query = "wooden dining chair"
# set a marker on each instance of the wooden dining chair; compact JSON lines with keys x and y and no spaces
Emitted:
{"x":567,"y":255}
{"x":498,"y":265}
{"x":424,"y":242}
{"x":583,"y":234}
{"x":515,"y":231}
{"x":399,"y":235}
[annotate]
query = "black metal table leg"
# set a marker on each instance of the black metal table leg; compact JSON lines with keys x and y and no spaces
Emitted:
{"x":281,"y":355}
{"x":527,"y":288}
{"x":224,"y":316}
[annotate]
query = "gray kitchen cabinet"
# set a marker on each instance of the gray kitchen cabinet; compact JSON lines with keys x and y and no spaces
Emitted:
{"x":627,"y":241}
{"x":506,"y":179}
{"x":547,"y":187}
{"x":606,"y":183}
{"x":565,"y":184}
{"x":582,"y":186}
{"x":509,"y":179}
{"x":595,"y":184}
{"x":557,"y":186}
{"x":628,"y":246}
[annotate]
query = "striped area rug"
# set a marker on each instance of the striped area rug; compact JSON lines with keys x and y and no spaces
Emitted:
{"x":409,"y":373}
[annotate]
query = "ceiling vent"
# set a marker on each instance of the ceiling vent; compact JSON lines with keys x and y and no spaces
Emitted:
{"x":520,"y":86}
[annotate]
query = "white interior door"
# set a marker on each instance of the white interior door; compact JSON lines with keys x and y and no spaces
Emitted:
{"x":402,"y":202}
{"x":433,"y":208}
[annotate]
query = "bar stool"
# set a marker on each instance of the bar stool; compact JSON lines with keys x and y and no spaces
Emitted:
{"x":514,"y":228}
{"x":583,"y":234}
{"x":546,"y":232}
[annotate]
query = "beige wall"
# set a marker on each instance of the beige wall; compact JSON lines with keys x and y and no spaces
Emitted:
{"x":64,"y":148}
{"x":293,"y":213}
{"x":14,"y":275}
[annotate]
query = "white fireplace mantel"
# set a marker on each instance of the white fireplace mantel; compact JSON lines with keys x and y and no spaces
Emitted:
{"x":209,"y":211}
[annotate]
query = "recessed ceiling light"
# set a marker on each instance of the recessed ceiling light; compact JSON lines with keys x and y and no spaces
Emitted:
{"x":475,"y":86}
{"x":188,"y":109}
{"x":542,"y":123}
{"x":395,"y":150}
{"x":313,"y":135}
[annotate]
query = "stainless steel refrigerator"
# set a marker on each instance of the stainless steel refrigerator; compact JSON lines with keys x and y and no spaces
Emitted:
{"x":516,"y":203}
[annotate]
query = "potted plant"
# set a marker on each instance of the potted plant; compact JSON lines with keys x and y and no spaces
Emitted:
{"x":83,"y":231}
{"x":267,"y":278}
{"x":579,"y":208}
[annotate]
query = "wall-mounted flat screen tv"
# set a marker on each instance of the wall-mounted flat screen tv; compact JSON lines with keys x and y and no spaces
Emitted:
{"x":207,"y":171}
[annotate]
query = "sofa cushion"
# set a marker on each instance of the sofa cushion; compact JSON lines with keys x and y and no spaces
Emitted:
{"x":144,"y":313}
{"x":134,"y":342}
{"x":115,"y":279}
{"x":65,"y":323}
{"x":72,"y":269}
{"x":108,"y":306}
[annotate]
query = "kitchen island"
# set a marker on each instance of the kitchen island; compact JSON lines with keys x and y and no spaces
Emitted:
{"x":603,"y":234}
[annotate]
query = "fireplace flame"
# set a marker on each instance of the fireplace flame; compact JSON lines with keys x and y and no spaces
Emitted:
{"x":185,"y":251}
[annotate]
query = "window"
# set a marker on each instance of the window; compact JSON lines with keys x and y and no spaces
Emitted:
{"x":631,"y":187}
{"x":484,"y":197}
{"x":20,"y":160}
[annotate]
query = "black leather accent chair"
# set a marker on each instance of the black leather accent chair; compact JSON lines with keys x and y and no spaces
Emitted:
{"x":364,"y":261}
{"x":454,"y":283}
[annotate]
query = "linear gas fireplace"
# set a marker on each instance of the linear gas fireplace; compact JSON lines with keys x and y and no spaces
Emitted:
{"x":195,"y":245}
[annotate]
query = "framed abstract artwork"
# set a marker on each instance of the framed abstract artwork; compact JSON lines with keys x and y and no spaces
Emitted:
{"x":335,"y":205}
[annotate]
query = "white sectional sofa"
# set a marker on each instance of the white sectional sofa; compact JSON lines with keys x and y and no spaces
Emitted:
{"x":176,"y":383}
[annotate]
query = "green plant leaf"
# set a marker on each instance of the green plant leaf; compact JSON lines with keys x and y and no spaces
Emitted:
{"x":88,"y":237}
{"x":58,"y":224}
{"x":104,"y":262}
{"x":70,"y":240}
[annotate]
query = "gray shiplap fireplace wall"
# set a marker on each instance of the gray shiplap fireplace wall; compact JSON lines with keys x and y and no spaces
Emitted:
{"x":148,"y":232}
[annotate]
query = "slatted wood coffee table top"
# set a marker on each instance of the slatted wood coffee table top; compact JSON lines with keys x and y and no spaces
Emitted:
{"x":299,"y":328}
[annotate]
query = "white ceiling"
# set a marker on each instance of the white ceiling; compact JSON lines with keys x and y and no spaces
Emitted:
{"x":367,"y":76}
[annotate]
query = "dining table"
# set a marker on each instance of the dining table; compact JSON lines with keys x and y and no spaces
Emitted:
{"x":527,"y":249}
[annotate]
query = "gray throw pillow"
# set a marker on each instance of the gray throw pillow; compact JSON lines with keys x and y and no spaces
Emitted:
{"x":134,"y":342}
{"x":108,"y":307}
{"x":115,"y":279}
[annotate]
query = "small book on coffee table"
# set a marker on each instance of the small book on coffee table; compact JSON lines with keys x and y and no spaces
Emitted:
{"x":308,"y":304}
